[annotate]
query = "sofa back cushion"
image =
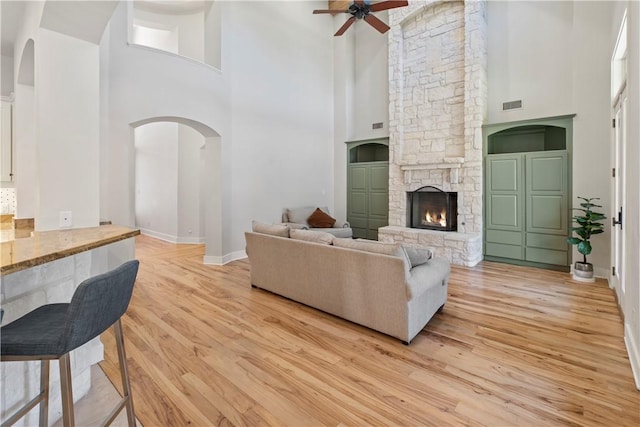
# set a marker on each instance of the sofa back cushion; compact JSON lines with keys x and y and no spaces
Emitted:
{"x":368,"y":246}
{"x":279,"y":230}
{"x":392,"y":249}
{"x":312,"y":236}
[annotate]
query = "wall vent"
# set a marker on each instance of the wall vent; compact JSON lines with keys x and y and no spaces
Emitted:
{"x":512,"y":105}
{"x":377,"y":125}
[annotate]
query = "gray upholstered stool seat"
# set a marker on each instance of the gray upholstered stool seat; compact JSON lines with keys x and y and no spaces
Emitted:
{"x":36,"y":333}
{"x":51,"y":331}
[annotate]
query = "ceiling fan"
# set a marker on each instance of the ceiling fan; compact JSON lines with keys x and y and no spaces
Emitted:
{"x":361,"y":9}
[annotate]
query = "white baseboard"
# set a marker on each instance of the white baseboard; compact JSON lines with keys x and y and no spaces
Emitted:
{"x":166,"y":237}
{"x":191,"y":240}
{"x":225,"y":259}
{"x":634,"y":353}
{"x":602,"y":273}
{"x":172,"y":239}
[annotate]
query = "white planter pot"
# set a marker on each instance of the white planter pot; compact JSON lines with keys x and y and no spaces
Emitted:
{"x":583,"y":272}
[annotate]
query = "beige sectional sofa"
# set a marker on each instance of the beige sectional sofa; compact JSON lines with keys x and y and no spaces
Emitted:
{"x":369,"y":283}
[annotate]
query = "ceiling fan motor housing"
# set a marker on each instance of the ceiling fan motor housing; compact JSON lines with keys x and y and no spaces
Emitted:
{"x":359,"y":11}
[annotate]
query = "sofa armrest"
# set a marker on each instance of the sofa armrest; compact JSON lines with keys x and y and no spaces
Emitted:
{"x":433,"y":273}
{"x":341,"y":224}
{"x":296,"y":225}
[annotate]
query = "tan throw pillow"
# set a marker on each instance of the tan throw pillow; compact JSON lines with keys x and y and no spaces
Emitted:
{"x":417,"y":256}
{"x":320,"y":219}
{"x":312,"y":236}
{"x":279,"y":230}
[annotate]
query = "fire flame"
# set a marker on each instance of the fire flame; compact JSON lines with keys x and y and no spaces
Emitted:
{"x":434,"y":218}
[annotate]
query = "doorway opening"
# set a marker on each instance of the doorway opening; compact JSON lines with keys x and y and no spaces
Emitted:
{"x":177,"y":178}
{"x":619,"y":95}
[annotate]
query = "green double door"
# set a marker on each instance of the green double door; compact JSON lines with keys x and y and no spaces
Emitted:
{"x":368,"y":198}
{"x":527,"y":210}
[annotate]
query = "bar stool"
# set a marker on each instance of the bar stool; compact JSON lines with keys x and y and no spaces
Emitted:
{"x":51,"y":331}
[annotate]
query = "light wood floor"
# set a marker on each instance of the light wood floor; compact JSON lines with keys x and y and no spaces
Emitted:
{"x":514,"y":346}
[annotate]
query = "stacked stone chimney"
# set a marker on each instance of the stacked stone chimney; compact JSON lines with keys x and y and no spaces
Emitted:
{"x":437,"y":97}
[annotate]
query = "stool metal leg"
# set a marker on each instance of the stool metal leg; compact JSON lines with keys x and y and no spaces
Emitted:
{"x":124,"y":373}
{"x":41,"y":399}
{"x":44,"y":392}
{"x":67,"y":392}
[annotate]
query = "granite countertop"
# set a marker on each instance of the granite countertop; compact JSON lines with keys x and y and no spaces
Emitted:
{"x":41,"y":247}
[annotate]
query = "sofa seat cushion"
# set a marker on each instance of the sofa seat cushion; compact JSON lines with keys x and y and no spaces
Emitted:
{"x":279,"y":230}
{"x":320,"y":219}
{"x":312,"y":236}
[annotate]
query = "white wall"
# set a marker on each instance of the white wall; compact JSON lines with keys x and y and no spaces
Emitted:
{"x":371,"y":94}
{"x":343,"y":112}
{"x":6,"y":82}
{"x":558,"y":66}
{"x":281,"y":109}
{"x":271,"y":104}
{"x":156,"y":179}
{"x":212,"y":34}
{"x":190,"y":150}
{"x":144,"y":84}
{"x":592,"y":124}
{"x":68,"y":129}
{"x":532,"y":63}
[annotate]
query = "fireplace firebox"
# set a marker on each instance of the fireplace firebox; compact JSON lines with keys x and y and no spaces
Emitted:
{"x":433,"y":209}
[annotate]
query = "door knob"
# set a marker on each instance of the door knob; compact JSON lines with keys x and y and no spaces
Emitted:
{"x":619,"y":221}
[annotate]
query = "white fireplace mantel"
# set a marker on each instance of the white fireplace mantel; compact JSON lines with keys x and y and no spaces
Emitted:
{"x":452,"y":163}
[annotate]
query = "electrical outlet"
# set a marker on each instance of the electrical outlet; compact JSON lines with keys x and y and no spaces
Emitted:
{"x":65,"y":219}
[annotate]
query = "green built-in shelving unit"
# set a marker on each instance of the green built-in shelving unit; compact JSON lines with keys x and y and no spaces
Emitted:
{"x":528,"y":192}
{"x":368,"y":186}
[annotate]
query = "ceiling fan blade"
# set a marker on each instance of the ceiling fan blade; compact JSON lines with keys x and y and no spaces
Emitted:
{"x":345,"y":26}
{"x":384,"y":5}
{"x":315,"y":12}
{"x":376,"y":23}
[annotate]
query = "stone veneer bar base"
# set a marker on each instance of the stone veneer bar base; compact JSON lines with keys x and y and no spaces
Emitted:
{"x":459,"y":248}
{"x":47,"y":269}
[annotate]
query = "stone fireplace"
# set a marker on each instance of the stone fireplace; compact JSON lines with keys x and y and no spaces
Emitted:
{"x":437,"y":97}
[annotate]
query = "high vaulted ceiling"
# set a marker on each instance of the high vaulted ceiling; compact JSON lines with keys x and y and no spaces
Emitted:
{"x":11,"y":12}
{"x":339,"y":4}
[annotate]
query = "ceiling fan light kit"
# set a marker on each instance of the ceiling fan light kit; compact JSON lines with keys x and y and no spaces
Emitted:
{"x":361,"y":9}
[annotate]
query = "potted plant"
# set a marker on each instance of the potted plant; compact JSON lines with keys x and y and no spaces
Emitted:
{"x":587,"y":224}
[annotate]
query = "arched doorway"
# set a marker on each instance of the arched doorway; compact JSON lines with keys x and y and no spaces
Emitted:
{"x":24,"y":135}
{"x":207,"y":164}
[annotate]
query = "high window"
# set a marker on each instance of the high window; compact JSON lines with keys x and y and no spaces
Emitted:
{"x":186,"y":28}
